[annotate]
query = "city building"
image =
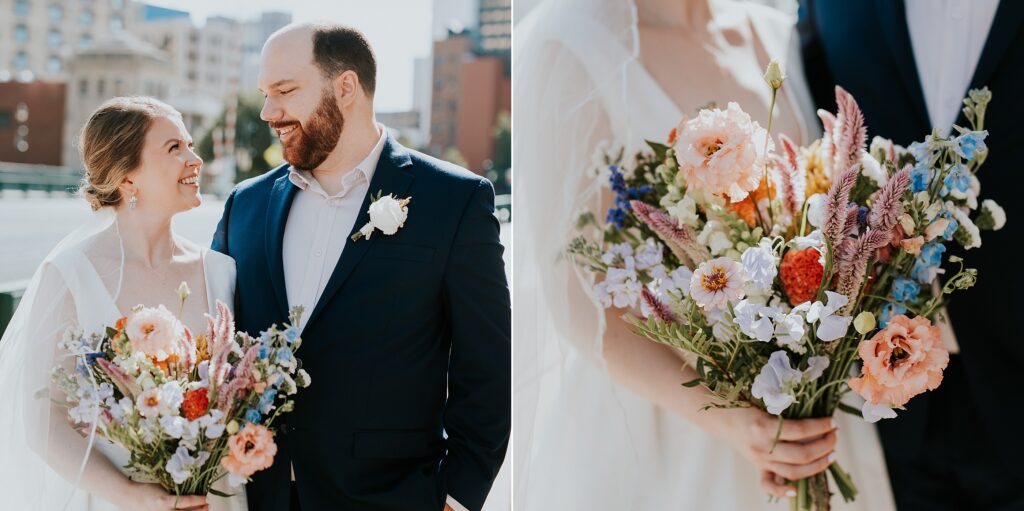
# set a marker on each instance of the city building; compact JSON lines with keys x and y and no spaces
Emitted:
{"x":116,"y":66}
{"x":404,"y":126}
{"x":471,"y":83}
{"x":37,"y":37}
{"x":31,"y":122}
{"x":495,"y":28}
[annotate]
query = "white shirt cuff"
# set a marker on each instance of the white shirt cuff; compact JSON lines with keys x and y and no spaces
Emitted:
{"x":455,"y":504}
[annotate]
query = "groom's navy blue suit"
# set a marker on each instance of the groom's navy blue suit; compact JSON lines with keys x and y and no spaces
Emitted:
{"x":960,"y":446}
{"x":408,"y":348}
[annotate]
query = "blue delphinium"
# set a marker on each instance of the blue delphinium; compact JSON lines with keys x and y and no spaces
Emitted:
{"x":958,"y":179}
{"x":264,"y":351}
{"x":284,"y":354}
{"x":623,"y":194}
{"x":291,"y":334}
{"x":927,"y":262}
{"x":252,"y":415}
{"x":920,"y":178}
{"x":267,"y":400}
{"x":905,"y":290}
{"x":970,"y":144}
{"x":888,"y":311}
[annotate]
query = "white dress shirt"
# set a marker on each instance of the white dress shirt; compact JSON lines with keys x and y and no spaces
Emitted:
{"x":948,"y":37}
{"x":317,"y":231}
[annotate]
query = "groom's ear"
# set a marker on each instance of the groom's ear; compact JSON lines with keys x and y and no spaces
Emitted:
{"x":347,"y":87}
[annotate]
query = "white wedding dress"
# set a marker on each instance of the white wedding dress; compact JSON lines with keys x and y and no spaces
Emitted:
{"x":75,"y":285}
{"x":581,"y":440}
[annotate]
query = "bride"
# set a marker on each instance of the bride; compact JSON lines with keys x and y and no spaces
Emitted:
{"x":602,"y":421}
{"x":140,"y":171}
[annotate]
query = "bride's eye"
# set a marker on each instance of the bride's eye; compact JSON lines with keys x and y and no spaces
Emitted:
{"x":173,"y":147}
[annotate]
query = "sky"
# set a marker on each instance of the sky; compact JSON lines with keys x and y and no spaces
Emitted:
{"x":398,"y":30}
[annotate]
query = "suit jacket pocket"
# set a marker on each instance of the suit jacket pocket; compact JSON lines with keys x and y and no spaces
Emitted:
{"x":396,"y":444}
{"x":404,"y":251}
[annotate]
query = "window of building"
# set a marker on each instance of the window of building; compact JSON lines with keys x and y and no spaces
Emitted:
{"x":53,"y":65}
{"x":85,"y":40}
{"x":101,"y":87}
{"x":55,"y":12}
{"x":83,"y":87}
{"x":54,"y":39}
{"x":21,"y":7}
{"x":117,"y":4}
{"x":85,"y":18}
{"x":116,"y":23}
{"x":5,"y":119}
{"x":21,"y":61}
{"x":21,"y":34}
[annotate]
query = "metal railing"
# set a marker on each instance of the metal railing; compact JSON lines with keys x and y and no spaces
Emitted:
{"x":46,"y":178}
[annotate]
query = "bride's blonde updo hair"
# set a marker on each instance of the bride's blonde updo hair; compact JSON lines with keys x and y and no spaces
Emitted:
{"x":111,"y":145}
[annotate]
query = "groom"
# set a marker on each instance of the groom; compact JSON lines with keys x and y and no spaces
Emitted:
{"x":909,"y":64}
{"x":406,"y":333}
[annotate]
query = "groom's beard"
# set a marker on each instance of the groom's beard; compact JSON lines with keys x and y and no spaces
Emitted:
{"x":317,"y":137}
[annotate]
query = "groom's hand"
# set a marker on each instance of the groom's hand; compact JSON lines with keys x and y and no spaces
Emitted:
{"x":448,"y":508}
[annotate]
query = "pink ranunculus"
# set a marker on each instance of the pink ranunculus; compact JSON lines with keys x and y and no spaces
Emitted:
{"x":250,"y":450}
{"x":901,"y":361}
{"x":722,"y":152}
{"x":155,"y":332}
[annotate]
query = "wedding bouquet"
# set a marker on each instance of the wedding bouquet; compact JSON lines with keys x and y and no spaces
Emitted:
{"x":757,"y":262}
{"x":188,"y":409}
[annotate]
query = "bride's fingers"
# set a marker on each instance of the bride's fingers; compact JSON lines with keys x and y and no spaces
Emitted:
{"x":773,"y":484}
{"x":804,"y":429}
{"x":190,"y":502}
{"x":797,"y":453}
{"x":793,"y":472}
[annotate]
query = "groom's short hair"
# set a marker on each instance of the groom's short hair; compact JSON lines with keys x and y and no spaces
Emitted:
{"x":339,"y":48}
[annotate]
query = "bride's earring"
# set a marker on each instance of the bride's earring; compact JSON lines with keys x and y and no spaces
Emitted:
{"x":133,"y":201}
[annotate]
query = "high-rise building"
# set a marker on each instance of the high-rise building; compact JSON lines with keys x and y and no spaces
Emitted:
{"x":455,"y":16}
{"x":37,"y":37}
{"x":495,"y":28}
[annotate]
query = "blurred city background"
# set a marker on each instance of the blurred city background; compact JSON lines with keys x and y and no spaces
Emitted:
{"x":444,"y":88}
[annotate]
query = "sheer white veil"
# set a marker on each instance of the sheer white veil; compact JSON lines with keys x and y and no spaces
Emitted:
{"x":38,"y":468}
{"x":571,"y":91}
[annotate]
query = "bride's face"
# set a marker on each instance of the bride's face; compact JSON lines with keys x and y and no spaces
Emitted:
{"x":167,"y":180}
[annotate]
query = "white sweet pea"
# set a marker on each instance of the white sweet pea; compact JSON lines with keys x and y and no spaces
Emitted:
{"x":816,"y":210}
{"x":816,"y":367}
{"x":830,"y":325}
{"x":776,"y":382}
{"x":873,"y":413}
{"x":871,"y":169}
{"x":754,"y":320}
{"x":789,"y":332}
{"x":182,"y":464}
{"x":761,"y":265}
{"x":387,"y":214}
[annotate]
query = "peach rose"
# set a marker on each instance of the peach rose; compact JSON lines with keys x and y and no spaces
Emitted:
{"x":722,"y":152}
{"x":155,"y":332}
{"x":250,"y":450}
{"x":901,"y":361}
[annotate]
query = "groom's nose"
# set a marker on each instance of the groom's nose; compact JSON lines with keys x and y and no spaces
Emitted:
{"x":270,"y":111}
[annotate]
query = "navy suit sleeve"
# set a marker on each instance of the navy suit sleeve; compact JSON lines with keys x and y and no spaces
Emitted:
{"x":478,"y":413}
{"x":220,"y":236}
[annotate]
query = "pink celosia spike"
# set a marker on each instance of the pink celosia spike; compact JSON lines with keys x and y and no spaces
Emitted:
{"x":850,"y":226}
{"x":836,"y":204}
{"x":681,"y":240}
{"x":851,"y":136}
{"x":793,"y":181}
{"x":242,"y":380}
{"x":120,"y":378}
{"x":887,"y":206}
{"x":660,"y":309}
{"x":853,"y":270}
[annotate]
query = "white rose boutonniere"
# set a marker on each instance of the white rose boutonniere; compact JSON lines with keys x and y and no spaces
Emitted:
{"x":387,"y":214}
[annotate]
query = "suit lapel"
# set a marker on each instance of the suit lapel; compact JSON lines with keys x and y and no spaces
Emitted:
{"x":1005,"y":27}
{"x":893,"y":21}
{"x":281,"y":197}
{"x":392,"y":176}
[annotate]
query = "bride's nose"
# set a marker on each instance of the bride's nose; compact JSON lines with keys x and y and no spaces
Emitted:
{"x":195,"y":161}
